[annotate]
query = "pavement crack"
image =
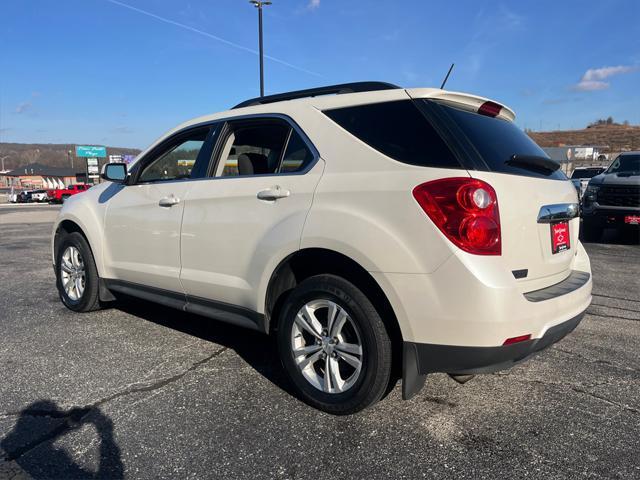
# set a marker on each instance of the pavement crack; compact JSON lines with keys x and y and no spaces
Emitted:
{"x":74,"y":417}
{"x":597,"y":361}
{"x":580,"y":390}
{"x":611,"y":316}
{"x":149,"y":387}
{"x":614,"y":297}
{"x":616,"y":308}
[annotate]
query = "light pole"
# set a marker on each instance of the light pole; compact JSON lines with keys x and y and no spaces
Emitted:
{"x":69,"y":157}
{"x":259,"y":4}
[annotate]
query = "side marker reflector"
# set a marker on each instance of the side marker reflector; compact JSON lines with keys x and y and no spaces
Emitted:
{"x":521,"y":338}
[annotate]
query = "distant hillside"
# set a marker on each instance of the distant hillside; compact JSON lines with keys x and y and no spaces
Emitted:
{"x":616,"y":137}
{"x":54,"y":155}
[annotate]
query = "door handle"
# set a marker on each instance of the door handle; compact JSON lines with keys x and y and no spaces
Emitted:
{"x":169,"y":201}
{"x":273,"y":193}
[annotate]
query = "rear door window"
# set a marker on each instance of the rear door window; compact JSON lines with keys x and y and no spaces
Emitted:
{"x":253,"y":150}
{"x":297,"y":156}
{"x":497,"y":140}
{"x":398,"y":130}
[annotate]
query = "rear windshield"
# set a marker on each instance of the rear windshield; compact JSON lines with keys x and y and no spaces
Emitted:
{"x":398,"y":130}
{"x":586,"y":172}
{"x":497,"y":140}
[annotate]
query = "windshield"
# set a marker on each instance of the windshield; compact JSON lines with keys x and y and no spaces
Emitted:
{"x":586,"y":172}
{"x":498,"y":140}
{"x":625,"y":164}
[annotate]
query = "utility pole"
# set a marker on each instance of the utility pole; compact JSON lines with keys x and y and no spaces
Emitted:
{"x":259,"y":4}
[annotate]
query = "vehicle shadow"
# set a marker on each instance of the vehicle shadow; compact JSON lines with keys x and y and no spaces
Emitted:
{"x":258,"y":350}
{"x":31,"y":443}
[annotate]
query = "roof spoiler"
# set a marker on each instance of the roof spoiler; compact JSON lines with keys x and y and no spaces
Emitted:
{"x":314,"y":92}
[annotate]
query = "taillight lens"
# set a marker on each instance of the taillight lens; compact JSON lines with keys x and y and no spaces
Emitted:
{"x":465,"y":210}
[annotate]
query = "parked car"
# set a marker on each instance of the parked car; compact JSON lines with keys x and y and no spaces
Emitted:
{"x":581,"y":176}
{"x":62,"y":194}
{"x":373,"y":231}
{"x":612,"y":199}
{"x":39,"y":196}
{"x":24,"y":196}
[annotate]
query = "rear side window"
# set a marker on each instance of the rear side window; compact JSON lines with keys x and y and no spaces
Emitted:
{"x":398,"y":130}
{"x":297,"y":156}
{"x":497,"y":140}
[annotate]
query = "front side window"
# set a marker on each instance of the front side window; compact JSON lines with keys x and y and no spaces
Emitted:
{"x":253,"y":150}
{"x":177,"y":161}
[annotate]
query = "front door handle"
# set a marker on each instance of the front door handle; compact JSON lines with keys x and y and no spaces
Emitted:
{"x":273,"y":193}
{"x":169,"y":201}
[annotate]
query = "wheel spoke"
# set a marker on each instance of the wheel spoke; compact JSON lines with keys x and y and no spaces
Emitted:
{"x":349,"y":348}
{"x":339,"y":322}
{"x":66,"y":265}
{"x":334,"y":373}
{"x":326,"y":386}
{"x":350,"y":359}
{"x":310,"y":360}
{"x":331,"y":315}
{"x":79,"y":287}
{"x":308,"y":350}
{"x":309,"y":322}
{"x":74,"y":258}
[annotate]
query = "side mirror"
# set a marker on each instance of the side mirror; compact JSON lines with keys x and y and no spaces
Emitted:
{"x":114,"y":172}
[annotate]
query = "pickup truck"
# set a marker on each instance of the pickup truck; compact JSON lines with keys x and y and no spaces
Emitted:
{"x":612,"y":199}
{"x":61,"y":194}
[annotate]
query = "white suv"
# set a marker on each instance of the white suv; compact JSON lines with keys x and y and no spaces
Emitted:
{"x":376,"y":230}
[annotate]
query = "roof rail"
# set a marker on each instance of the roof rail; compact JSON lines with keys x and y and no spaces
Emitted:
{"x":314,"y":92}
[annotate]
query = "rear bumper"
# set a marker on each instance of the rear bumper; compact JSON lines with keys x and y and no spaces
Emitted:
{"x":419,"y":359}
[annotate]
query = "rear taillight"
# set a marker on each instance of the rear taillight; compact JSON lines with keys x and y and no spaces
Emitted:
{"x":465,"y":210}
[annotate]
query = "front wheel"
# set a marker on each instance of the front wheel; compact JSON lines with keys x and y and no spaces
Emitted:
{"x":334,"y":345}
{"x":76,"y":274}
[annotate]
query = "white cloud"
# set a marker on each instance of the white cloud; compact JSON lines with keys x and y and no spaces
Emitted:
{"x":313,"y":4}
{"x":594,"y":78}
{"x":24,"y":107}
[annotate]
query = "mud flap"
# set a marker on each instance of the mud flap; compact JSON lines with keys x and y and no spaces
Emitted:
{"x":412,"y":380}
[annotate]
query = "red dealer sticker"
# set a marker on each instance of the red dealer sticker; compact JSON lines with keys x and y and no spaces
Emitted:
{"x":560,"y":237}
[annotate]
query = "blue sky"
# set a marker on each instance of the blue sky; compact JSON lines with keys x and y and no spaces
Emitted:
{"x":121,"y":72}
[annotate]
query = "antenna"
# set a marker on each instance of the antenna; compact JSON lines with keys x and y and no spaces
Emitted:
{"x":447,"y":77}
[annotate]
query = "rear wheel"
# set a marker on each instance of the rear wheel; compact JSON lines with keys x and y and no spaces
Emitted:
{"x":334,"y":345}
{"x":76,"y":274}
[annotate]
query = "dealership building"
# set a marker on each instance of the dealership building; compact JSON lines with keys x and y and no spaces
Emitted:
{"x":38,"y":176}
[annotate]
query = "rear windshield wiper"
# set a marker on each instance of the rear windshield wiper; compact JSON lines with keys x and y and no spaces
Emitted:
{"x":533,"y":162}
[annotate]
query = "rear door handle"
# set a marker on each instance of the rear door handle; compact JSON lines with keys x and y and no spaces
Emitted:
{"x":273,"y":193}
{"x":169,"y":201}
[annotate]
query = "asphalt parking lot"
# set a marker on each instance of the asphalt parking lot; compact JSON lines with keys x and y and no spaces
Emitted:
{"x":146,"y":392}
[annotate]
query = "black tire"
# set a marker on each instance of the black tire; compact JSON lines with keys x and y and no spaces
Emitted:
{"x":376,"y":359}
{"x":590,"y":231}
{"x":89,"y":301}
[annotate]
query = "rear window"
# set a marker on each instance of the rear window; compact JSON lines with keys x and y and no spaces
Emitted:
{"x":497,"y":140}
{"x":398,"y":130}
